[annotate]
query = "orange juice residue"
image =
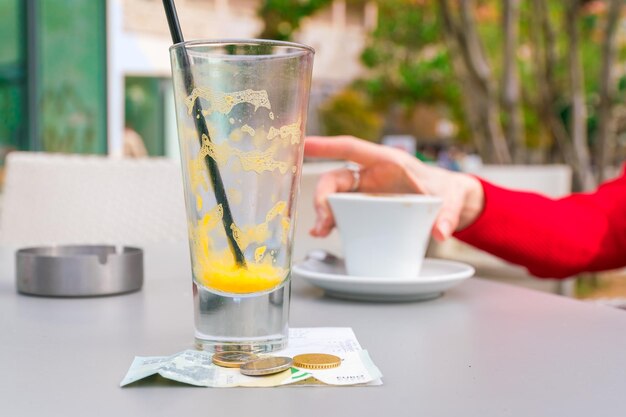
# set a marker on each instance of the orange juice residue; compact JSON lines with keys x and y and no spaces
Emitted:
{"x":214,"y":266}
{"x":229,"y":278}
{"x":218,"y":270}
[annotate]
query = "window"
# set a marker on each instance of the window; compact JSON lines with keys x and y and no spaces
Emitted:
{"x":145,"y":111}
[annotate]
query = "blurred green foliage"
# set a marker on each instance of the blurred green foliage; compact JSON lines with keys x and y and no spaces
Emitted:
{"x":590,"y":26}
{"x":408,"y":62}
{"x":406,"y":57}
{"x":350,"y":113}
{"x":282,"y":18}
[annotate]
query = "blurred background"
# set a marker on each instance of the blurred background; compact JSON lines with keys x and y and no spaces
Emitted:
{"x":527,"y":93}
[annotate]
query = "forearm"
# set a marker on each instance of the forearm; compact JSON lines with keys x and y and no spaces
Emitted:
{"x":552,"y":238}
{"x":473,"y":200}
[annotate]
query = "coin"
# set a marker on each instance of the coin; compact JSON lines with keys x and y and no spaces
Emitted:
{"x":233,"y":359}
{"x":266,"y":366}
{"x":316,"y":361}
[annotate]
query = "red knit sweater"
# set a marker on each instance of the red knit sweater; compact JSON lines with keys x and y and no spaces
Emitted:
{"x":553,"y":238}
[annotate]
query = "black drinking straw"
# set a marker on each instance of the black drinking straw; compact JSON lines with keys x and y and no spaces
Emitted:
{"x":201,"y":128}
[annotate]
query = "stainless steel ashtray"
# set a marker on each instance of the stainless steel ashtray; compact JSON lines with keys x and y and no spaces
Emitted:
{"x":79,"y":271}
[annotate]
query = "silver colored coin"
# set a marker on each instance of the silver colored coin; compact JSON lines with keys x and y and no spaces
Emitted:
{"x":266,"y":366}
{"x":233,"y":359}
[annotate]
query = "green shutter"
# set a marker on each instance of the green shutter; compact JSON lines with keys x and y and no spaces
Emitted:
{"x":12,"y":77}
{"x":71,"y":76}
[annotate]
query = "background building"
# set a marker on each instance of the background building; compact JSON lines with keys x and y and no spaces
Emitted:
{"x":75,"y":73}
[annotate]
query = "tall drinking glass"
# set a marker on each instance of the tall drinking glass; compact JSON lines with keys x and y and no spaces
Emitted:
{"x":241,"y":110}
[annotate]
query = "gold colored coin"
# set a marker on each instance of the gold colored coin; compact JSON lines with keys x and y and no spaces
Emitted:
{"x":233,"y":359}
{"x":316,"y":361}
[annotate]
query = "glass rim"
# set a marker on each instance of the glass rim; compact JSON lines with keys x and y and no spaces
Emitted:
{"x":241,"y":41}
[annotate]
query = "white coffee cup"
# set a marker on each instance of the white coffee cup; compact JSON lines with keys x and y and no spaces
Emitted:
{"x":384,"y":235}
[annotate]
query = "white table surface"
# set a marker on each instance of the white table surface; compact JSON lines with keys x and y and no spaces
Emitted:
{"x":483,"y":349}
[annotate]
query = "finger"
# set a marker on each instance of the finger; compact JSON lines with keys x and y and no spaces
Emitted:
{"x":339,"y":180}
{"x":448,"y":218}
{"x":344,"y":147}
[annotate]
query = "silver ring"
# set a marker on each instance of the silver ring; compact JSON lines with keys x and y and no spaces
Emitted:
{"x":355,"y":170}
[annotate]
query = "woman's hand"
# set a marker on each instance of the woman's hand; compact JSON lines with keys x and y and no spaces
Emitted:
{"x":388,"y":170}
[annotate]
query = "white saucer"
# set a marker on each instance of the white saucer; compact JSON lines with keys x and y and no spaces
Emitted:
{"x":436,"y":276}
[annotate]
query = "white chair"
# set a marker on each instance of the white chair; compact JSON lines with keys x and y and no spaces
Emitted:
{"x":74,"y":199}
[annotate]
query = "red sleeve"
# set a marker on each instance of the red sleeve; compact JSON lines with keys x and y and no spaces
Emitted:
{"x":553,"y":238}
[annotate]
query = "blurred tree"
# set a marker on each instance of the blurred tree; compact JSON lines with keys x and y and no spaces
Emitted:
{"x":282,"y":18}
{"x":351,"y":113}
{"x":408,"y":62}
{"x":578,"y":119}
{"x":607,"y":120}
{"x":476,"y":76}
{"x":510,"y":84}
{"x":518,"y":76}
{"x":575,"y":92}
{"x":406,"y":57}
{"x":575,"y":106}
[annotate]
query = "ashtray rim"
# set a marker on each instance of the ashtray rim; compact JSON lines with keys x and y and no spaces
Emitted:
{"x":40,"y":251}
{"x":78,"y":270}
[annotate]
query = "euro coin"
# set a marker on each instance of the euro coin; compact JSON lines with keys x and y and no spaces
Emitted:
{"x":266,"y":366}
{"x":233,"y":359}
{"x":316,"y":361}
